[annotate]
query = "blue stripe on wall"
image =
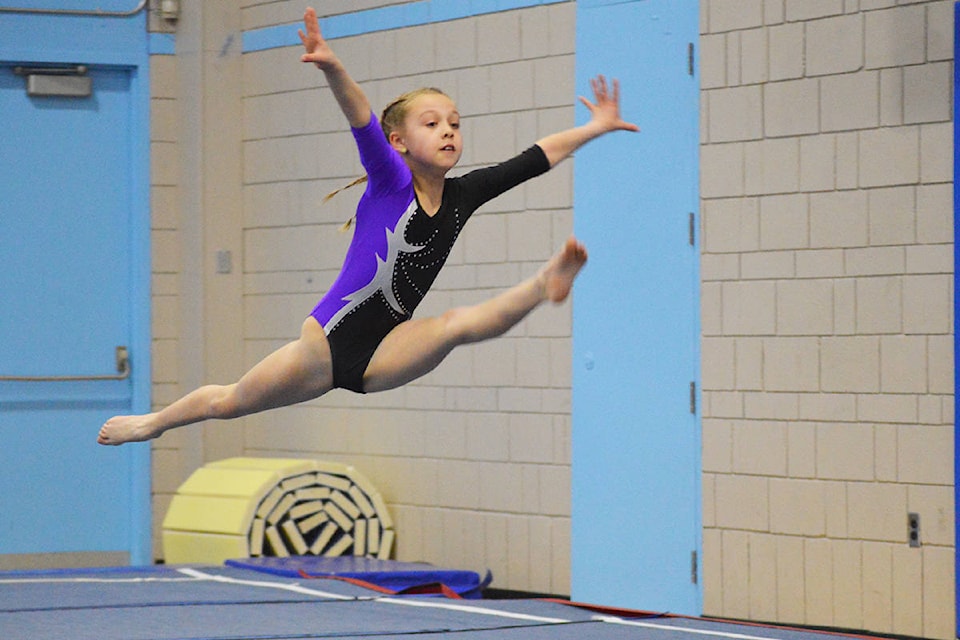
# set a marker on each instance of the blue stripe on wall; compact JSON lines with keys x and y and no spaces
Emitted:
{"x":394,"y":17}
{"x":161,"y":44}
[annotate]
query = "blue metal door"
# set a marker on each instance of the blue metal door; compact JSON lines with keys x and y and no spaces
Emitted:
{"x":67,"y":283}
{"x":636,"y":437}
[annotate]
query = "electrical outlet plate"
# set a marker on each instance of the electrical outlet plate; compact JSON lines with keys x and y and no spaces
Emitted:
{"x":913,"y":529}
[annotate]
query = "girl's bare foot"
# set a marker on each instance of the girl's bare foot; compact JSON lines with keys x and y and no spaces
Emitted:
{"x":558,"y":274}
{"x":121,"y":429}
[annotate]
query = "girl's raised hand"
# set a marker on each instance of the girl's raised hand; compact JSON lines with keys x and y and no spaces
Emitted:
{"x":318,"y":51}
{"x":606,"y":108}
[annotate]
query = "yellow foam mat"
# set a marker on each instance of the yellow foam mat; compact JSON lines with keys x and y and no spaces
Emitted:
{"x":242,"y":507}
{"x":189,"y":547}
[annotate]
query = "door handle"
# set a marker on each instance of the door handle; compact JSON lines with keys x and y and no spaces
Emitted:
{"x":123,"y":372}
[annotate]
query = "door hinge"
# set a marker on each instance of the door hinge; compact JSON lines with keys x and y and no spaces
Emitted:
{"x":693,"y":398}
{"x":690,"y":62}
{"x":693,"y":567}
{"x":692,"y":229}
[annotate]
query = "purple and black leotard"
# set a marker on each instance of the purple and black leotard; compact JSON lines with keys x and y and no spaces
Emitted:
{"x":398,"y":249}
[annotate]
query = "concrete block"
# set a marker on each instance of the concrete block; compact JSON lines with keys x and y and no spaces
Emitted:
{"x":562,"y":19}
{"x":834,"y":407}
{"x":889,"y":156}
{"x":850,"y":101}
{"x":926,"y":301}
{"x":553,"y":82}
{"x":790,"y":580}
{"x":887,"y":408}
{"x":498,"y":37}
{"x":845,"y":451}
{"x":874,"y":261}
{"x":766,"y":405}
{"x":926,"y":93}
{"x":762,"y":581}
{"x":785,"y":50}
{"x":768,"y":264}
{"x":817,"y":163}
{"x":895,"y":37}
{"x":941,"y":371}
{"x":907,"y":591}
{"x":791,"y":108}
{"x":772,"y":166}
{"x":877,"y":511}
{"x":721,"y":173}
{"x":819,"y":263}
{"x":749,"y":308}
{"x":891,"y":97}
{"x":733,"y":59}
{"x":802,"y":10}
{"x":939,"y":31}
{"x":713,"y":61}
{"x":797,"y":507}
{"x":760,"y":448}
{"x":801,"y":448}
{"x":784,"y":222}
{"x":878,"y":600}
{"x":717,"y":450}
{"x":936,"y":507}
{"x":717,"y":362}
{"x":848,"y":161}
{"x":731,"y":15}
{"x":892,"y":215}
{"x":847,"y":584}
{"x":936,"y":152}
{"x":925,"y":454}
{"x":834,"y":45}
{"x":850,"y":364}
{"x":939,"y":585}
{"x":879,"y":305}
{"x":164,"y":77}
{"x":743,"y":502}
{"x":749,"y":364}
{"x":512,"y":86}
{"x":791,"y":364}
{"x":731,"y":225}
{"x":736,"y":113}
{"x":456,"y":44}
{"x":903,"y":364}
{"x":753,"y":56}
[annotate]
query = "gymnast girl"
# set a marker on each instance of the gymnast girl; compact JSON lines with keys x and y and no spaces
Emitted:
{"x":361,"y":335}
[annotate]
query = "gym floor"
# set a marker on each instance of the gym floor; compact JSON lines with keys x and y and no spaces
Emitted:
{"x":191,"y":602}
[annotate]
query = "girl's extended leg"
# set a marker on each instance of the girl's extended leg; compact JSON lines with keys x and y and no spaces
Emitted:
{"x":416,"y":347}
{"x":296,"y":372}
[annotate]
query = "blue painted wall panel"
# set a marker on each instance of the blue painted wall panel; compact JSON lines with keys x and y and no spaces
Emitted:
{"x":102,"y":43}
{"x":636,"y":444}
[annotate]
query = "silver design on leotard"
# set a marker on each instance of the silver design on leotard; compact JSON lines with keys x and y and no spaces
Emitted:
{"x":383,"y":278}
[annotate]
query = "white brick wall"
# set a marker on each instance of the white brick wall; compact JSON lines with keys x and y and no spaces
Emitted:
{"x":827,"y":312}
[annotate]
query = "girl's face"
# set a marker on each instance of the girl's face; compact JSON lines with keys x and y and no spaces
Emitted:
{"x":430,"y":138}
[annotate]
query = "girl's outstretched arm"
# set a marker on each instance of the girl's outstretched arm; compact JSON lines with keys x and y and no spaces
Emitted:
{"x":605,"y":118}
{"x":351,"y":98}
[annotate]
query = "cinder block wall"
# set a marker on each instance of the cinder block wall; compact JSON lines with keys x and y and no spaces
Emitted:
{"x":166,"y":250}
{"x":827,"y":312}
{"x":474,"y":459}
{"x":826,"y":283}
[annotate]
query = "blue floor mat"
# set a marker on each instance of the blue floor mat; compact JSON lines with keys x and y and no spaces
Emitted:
{"x":231,"y":603}
{"x":392,"y":575}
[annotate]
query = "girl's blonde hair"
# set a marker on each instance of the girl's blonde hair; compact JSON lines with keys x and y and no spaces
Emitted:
{"x":390,"y":120}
